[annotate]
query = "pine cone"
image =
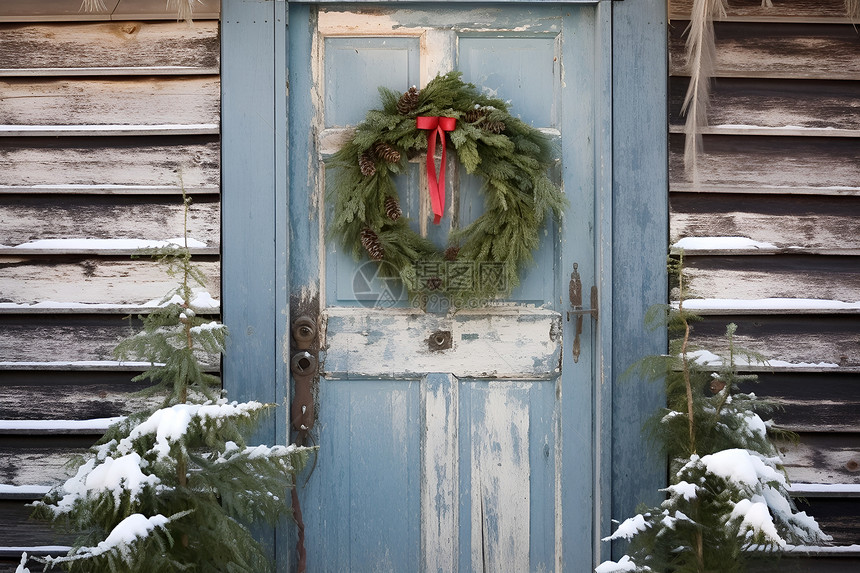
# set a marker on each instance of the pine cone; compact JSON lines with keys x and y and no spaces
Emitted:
{"x":494,"y":126}
{"x":386,"y":152}
{"x":475,"y":114}
{"x":434,"y":283}
{"x":370,"y":242}
{"x":408,"y":101}
{"x":392,"y":208}
{"x":367,"y":164}
{"x":451,"y":253}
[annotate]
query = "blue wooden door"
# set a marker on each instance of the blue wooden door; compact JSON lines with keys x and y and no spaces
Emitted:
{"x":479,"y":456}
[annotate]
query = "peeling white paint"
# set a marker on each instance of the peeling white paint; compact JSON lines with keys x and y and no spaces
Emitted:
{"x":501,"y":493}
{"x":511,"y":343}
{"x":440,"y":499}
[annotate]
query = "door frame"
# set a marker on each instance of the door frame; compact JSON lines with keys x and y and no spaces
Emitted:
{"x":631,"y":218}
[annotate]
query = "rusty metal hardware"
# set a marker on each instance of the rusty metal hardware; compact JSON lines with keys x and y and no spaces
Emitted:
{"x":303,"y":366}
{"x":304,"y":332}
{"x":575,"y":293}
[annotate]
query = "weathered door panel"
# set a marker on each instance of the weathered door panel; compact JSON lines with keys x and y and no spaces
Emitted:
{"x":473,"y":451}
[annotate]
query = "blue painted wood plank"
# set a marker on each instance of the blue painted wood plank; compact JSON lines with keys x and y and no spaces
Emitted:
{"x":248,"y":180}
{"x":640,"y":208}
{"x":362,"y":501}
{"x":580,"y":164}
{"x":365,"y":65}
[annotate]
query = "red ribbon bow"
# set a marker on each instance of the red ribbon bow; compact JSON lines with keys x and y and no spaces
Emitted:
{"x":436,"y":185}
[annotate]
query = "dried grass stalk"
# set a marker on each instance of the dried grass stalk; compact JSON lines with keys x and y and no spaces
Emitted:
{"x":701,"y":60}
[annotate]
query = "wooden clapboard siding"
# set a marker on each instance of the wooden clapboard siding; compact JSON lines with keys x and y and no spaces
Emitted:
{"x":807,"y":339}
{"x":68,"y":395}
{"x":71,"y":10}
{"x":19,"y":530}
{"x":40,"y":459}
{"x":804,"y":400}
{"x":54,"y":49}
{"x":104,"y":164}
{"x":823,"y":457}
{"x":826,"y":224}
{"x":779,"y":103}
{"x":752,"y":11}
{"x":28,"y":217}
{"x":118,"y":100}
{"x":789,"y":275}
{"x":781,"y":166}
{"x":102,"y":125}
{"x":777,"y":50}
{"x":785,"y":165}
{"x":89,"y":280}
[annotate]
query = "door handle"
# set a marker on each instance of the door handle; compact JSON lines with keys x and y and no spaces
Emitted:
{"x":575,"y":292}
{"x":303,"y":366}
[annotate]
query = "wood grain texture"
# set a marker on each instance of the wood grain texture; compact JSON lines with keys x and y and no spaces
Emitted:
{"x":762,"y":164}
{"x":831,"y":340}
{"x":68,"y":163}
{"x":20,"y":530}
{"x":32,"y":279}
{"x":69,"y":395}
{"x":774,"y":276}
{"x":109,"y":47}
{"x":775,"y":103}
{"x":831,"y":458}
{"x":825,"y":223}
{"x":440,"y":503}
{"x":27,"y":217}
{"x":753,"y":11}
{"x":144,"y":101}
{"x":812,"y":401}
{"x":62,"y":338}
{"x":802,"y":51}
{"x":40,"y":460}
{"x":837,"y":517}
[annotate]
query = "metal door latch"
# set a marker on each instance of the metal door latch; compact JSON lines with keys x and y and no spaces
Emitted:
{"x":577,"y":310}
{"x":303,"y":365}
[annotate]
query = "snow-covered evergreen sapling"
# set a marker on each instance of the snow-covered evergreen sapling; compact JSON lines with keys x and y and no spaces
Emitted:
{"x":728,"y":490}
{"x":173,"y":489}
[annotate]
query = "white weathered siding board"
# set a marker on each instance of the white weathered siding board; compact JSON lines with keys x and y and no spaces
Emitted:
{"x":774,"y":276}
{"x":805,"y":11}
{"x":828,"y":342}
{"x":42,"y":464}
{"x":110,"y":47}
{"x":744,"y":50}
{"x":100,"y":162}
{"x":28,"y":218}
{"x":799,"y":223}
{"x":759,"y":164}
{"x":90,"y":280}
{"x":823,"y":459}
{"x":54,"y":400}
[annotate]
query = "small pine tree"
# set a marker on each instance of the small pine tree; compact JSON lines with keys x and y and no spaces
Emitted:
{"x":728,"y":490}
{"x":173,"y":489}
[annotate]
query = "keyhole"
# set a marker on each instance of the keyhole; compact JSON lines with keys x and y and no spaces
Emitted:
{"x":304,"y":364}
{"x":439,"y":340}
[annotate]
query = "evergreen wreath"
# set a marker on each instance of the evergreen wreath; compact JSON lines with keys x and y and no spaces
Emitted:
{"x":511,"y":157}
